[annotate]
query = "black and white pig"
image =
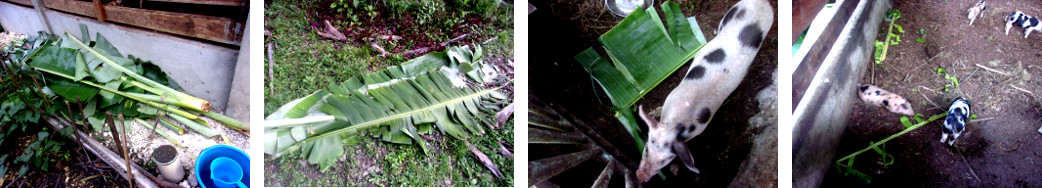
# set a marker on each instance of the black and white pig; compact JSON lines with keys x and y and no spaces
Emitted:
{"x":955,"y":122}
{"x":1023,"y":20}
{"x":714,"y":73}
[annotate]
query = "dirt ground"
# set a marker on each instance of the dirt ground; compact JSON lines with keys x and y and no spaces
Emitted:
{"x":1001,"y":147}
{"x":82,"y":169}
{"x":561,"y":29}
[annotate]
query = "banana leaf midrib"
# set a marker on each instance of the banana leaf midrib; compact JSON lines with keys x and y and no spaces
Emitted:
{"x":380,"y":121}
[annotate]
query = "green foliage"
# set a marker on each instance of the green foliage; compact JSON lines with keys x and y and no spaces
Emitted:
{"x":848,"y":168}
{"x":422,"y":11}
{"x":355,"y":9}
{"x":22,"y":108}
{"x":394,"y":103}
{"x":907,"y":123}
{"x":881,"y":47}
{"x":923,"y":33}
{"x":626,"y":76}
{"x":951,"y":78}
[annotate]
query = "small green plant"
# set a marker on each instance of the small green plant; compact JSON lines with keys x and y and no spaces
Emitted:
{"x":923,"y":39}
{"x":881,"y":47}
{"x":847,"y":167}
{"x":953,"y":80}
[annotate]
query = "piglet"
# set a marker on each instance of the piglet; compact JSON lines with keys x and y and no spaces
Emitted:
{"x":714,"y":73}
{"x":977,"y":10}
{"x":955,"y":122}
{"x":880,"y":97}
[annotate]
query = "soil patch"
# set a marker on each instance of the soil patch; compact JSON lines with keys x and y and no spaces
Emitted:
{"x":1001,"y":148}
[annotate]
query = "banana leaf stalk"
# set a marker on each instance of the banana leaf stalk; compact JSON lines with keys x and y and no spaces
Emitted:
{"x":160,"y":132}
{"x":285,"y":123}
{"x":228,"y":121}
{"x":187,"y":101}
{"x":179,"y":130}
{"x":199,"y":128}
{"x":134,"y":97}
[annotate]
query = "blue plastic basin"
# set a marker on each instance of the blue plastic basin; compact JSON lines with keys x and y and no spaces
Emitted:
{"x":202,"y":163}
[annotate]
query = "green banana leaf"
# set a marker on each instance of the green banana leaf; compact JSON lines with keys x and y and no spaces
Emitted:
{"x":395,"y":105}
{"x":642,"y":53}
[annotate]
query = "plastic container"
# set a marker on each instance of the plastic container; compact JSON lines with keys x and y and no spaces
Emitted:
{"x":203,"y":173}
{"x":623,"y":8}
{"x":226,"y":173}
{"x":168,"y":162}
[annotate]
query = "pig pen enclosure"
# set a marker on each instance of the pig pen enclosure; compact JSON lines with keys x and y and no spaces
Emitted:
{"x":942,"y":57}
{"x":68,"y":65}
{"x":563,"y":91}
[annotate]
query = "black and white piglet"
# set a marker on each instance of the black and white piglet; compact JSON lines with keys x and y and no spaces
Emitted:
{"x":955,"y":123}
{"x":714,"y":73}
{"x":1023,"y":20}
{"x":977,"y":10}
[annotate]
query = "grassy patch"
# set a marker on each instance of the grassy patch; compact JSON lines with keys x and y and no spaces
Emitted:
{"x":306,"y":62}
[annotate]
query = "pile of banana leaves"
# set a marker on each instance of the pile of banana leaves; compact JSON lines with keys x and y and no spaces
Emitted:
{"x":97,"y":79}
{"x":445,"y":90}
{"x":642,"y":53}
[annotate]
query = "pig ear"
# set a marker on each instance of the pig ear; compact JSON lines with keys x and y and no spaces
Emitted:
{"x":682,"y":152}
{"x":652,"y":123}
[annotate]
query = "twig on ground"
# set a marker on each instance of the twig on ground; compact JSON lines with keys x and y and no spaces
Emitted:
{"x":383,"y":53}
{"x":504,"y":115}
{"x":1022,"y":89}
{"x":331,"y":32}
{"x":483,"y":158}
{"x":935,"y":91}
{"x":981,"y":119}
{"x":968,"y":166}
{"x":506,"y":152}
{"x":426,"y":49}
{"x":928,"y":99}
{"x":490,"y":40}
{"x":271,"y":68}
{"x":1014,"y":148}
{"x":992,"y":70}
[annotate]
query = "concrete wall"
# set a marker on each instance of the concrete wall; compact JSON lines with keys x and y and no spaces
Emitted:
{"x":204,"y":70}
{"x":822,"y":114}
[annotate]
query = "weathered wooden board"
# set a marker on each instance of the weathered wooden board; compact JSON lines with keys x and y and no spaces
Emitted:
{"x":212,"y":28}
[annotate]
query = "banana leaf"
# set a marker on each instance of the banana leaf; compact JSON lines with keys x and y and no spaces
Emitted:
{"x":395,"y":105}
{"x":642,"y":53}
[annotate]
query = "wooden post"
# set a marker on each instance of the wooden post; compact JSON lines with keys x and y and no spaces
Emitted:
{"x":38,"y":5}
{"x":101,"y":10}
{"x":803,"y":12}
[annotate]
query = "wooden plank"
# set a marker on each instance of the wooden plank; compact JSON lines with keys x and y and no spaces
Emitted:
{"x":212,"y":28}
{"x":208,"y":2}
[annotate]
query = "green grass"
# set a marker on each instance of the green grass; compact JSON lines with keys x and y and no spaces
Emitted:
{"x":306,"y":62}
